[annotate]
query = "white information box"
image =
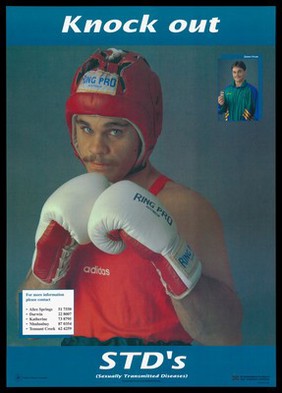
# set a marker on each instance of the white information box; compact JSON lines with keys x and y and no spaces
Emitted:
{"x":47,"y":312}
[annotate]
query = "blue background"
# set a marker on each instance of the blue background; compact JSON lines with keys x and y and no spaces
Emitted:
{"x":238,"y":25}
{"x":205,"y":366}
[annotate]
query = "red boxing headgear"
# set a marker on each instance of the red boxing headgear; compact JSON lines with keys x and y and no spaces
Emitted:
{"x":118,"y":83}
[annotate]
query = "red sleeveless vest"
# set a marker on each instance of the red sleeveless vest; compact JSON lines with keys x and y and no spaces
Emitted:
{"x":121,"y":295}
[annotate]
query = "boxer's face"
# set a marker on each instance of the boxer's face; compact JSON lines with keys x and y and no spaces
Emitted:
{"x":107,"y":145}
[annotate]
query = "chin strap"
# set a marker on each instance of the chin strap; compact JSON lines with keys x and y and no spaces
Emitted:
{"x":137,"y":169}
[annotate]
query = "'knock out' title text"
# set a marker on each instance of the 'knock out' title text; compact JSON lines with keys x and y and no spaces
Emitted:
{"x":78,"y":24}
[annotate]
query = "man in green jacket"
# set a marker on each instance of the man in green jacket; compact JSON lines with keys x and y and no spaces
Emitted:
{"x":238,"y":101}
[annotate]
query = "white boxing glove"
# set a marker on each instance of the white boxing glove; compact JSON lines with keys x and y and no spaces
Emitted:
{"x":127,"y":214}
{"x":63,"y":225}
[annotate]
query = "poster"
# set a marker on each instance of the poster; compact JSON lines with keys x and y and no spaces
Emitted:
{"x":232,"y":163}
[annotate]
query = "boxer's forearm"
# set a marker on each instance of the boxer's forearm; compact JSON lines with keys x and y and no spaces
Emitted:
{"x":211,"y":313}
{"x":32,"y":282}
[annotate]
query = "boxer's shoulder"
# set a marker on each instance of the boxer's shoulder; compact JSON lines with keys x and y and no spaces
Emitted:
{"x":185,"y":203}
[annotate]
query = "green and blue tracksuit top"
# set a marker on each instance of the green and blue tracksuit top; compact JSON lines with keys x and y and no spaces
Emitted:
{"x":240,"y":102}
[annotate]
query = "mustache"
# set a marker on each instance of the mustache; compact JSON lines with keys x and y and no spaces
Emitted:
{"x":94,"y":159}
